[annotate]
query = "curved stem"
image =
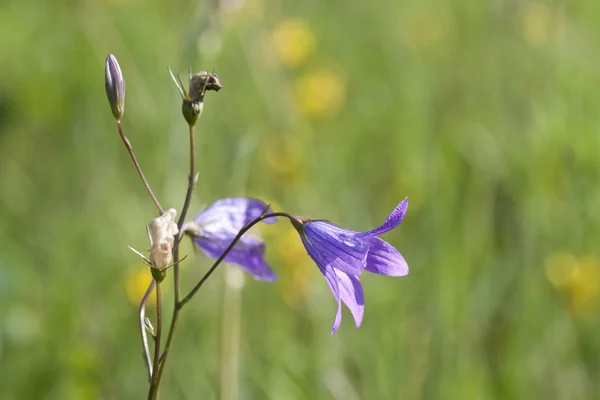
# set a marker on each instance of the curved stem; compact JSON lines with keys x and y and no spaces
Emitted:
{"x":143,"y":332}
{"x":142,"y":310}
{"x":241,"y":233}
{"x":155,"y":368}
{"x":139,"y":169}
{"x":179,"y":305}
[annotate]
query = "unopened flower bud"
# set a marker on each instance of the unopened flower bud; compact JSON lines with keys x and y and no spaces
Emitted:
{"x":115,"y":86}
{"x":162,"y":231}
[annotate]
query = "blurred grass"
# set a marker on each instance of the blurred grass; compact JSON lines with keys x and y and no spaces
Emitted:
{"x":485,"y":114}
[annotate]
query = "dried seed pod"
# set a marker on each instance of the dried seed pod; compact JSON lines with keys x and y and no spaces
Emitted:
{"x":201,"y":82}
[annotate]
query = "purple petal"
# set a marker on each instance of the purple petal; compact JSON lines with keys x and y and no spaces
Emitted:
{"x":330,"y":277}
{"x":351,"y":293}
{"x":338,"y":319}
{"x":337,"y":247}
{"x":231,"y":214}
{"x":384,"y":259}
{"x":391,"y":222}
{"x":332,"y":281}
{"x":246,"y":254}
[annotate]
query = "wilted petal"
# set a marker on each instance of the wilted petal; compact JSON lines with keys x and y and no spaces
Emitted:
{"x":248,"y":254}
{"x":336,"y":246}
{"x":161,"y":232}
{"x":351,"y":293}
{"x":384,"y":259}
{"x":202,"y":82}
{"x":164,"y":227}
{"x":391,"y":222}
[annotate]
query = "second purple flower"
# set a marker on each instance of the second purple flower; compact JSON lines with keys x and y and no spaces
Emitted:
{"x":215,"y":228}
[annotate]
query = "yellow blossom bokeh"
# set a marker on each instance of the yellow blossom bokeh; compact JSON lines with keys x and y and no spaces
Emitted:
{"x":284,"y":156}
{"x":320,"y":93}
{"x":577,"y":279}
{"x":535,"y":23}
{"x":293,"y":41}
{"x":298,"y":269}
{"x":136,"y":283}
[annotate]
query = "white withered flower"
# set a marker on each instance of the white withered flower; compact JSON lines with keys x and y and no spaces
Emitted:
{"x":161,"y":232}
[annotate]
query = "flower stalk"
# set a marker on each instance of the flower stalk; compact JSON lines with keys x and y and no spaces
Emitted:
{"x":219,"y":231}
{"x":115,"y":92}
{"x":143,"y":331}
{"x":155,"y":365}
{"x":192,"y":107}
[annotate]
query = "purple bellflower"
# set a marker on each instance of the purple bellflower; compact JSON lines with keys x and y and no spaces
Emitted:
{"x":215,"y":227}
{"x":342,"y":255}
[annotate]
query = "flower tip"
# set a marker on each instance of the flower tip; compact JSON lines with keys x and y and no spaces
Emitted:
{"x":115,"y":86}
{"x":270,"y":276}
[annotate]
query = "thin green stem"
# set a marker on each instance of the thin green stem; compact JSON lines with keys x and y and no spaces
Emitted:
{"x":139,"y":169}
{"x":143,"y":332}
{"x":153,"y":391}
{"x":142,"y":309}
{"x":184,"y":209}
{"x":170,"y":335}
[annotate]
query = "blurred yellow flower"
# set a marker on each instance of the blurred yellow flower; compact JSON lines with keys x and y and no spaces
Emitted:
{"x":298,"y":271}
{"x":137,"y":281}
{"x":320,"y":93}
{"x":585,"y":286}
{"x":535,"y":19}
{"x":578,"y":280}
{"x":293,"y":41}
{"x":284,"y":156}
{"x":558,"y":269}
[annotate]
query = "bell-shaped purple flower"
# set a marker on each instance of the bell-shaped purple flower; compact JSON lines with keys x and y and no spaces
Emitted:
{"x":215,"y":228}
{"x":342,"y":255}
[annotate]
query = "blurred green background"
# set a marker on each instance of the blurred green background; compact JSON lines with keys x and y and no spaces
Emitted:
{"x":484,"y":114}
